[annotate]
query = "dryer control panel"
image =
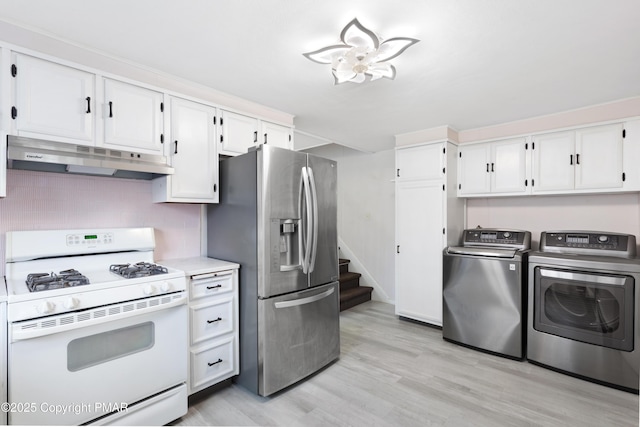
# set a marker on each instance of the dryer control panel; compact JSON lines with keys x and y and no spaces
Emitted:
{"x":597,"y":243}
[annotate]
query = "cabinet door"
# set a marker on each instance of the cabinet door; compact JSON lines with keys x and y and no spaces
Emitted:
{"x":598,"y":161}
{"x":419,"y":233}
{"x":54,"y":100}
{"x":239,"y":133}
{"x":424,"y":162}
{"x":193,"y":151}
{"x":553,"y":161}
{"x":276,"y":135}
{"x":508,"y":166}
{"x":132,"y":117}
{"x":474,"y":169}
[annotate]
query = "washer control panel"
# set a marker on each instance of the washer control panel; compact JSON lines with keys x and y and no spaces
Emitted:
{"x":589,"y":243}
{"x":513,"y":239}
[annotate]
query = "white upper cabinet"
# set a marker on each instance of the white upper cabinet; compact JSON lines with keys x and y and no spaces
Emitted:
{"x":493,"y":167}
{"x":423,"y":162}
{"x":53,"y":100}
{"x":276,"y":135}
{"x":599,"y":157}
{"x":193,"y":155}
{"x":631,"y":158}
{"x":473,"y":169}
{"x":583,"y":159}
{"x":132,"y":117}
{"x":239,"y":133}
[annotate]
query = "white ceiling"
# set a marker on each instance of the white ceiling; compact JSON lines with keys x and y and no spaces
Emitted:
{"x":479,"y":62}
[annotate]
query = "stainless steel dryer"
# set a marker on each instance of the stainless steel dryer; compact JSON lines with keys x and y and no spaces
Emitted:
{"x":583,"y":306}
{"x":484,"y":291}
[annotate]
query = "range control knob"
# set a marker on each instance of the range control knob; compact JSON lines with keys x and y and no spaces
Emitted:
{"x":165,"y":287}
{"x":71,"y":303}
{"x":506,"y":235}
{"x":149,"y":290}
{"x":603,"y":239}
{"x":45,"y":307}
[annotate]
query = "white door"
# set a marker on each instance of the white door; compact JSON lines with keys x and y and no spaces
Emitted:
{"x":599,"y":157}
{"x":424,"y":162}
{"x":553,"y":161}
{"x":239,"y":133}
{"x":54,"y":100}
{"x":474,"y":169}
{"x":420,"y":242}
{"x":132,"y":117}
{"x":193,"y":151}
{"x":276,"y":135}
{"x":508,"y":166}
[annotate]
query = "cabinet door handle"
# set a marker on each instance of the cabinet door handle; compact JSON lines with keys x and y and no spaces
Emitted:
{"x":88,"y":104}
{"x":214,"y":287}
{"x":492,"y":167}
{"x":214,"y":363}
{"x":255,"y":136}
{"x":398,"y":249}
{"x":265,"y":138}
{"x":110,"y":109}
{"x":577,"y":159}
{"x":175,"y":151}
{"x":571,"y":159}
{"x":214,"y":320}
{"x":487,"y":167}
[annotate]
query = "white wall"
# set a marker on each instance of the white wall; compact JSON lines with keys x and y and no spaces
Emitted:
{"x":610,"y":212}
{"x":366,"y":215}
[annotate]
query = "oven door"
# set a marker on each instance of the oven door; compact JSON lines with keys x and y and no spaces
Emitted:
{"x":585,"y":306}
{"x":77,"y":372}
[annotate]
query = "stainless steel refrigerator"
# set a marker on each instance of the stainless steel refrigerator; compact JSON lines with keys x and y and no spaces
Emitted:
{"x":277,"y":218}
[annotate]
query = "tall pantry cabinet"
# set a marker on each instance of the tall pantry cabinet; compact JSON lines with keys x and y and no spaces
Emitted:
{"x":429,"y":217}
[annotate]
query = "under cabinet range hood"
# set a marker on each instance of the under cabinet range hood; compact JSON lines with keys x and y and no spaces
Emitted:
{"x":51,"y":156}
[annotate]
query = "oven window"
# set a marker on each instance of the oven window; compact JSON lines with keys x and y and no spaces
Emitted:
{"x":591,"y":307}
{"x":100,"y":348}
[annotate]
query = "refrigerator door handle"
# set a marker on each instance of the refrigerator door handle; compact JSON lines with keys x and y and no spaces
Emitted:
{"x":302,"y":301}
{"x":305,"y":235}
{"x":314,"y":237}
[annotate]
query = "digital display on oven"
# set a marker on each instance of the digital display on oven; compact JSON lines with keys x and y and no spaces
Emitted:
{"x":90,"y":236}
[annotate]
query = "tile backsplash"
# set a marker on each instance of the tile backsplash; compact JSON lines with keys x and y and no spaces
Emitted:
{"x":52,"y":201}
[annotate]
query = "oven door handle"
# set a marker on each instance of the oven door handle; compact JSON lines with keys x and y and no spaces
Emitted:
{"x":65,"y":322}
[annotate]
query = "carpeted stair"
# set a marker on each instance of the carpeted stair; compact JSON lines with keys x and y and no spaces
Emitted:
{"x":351,"y":293}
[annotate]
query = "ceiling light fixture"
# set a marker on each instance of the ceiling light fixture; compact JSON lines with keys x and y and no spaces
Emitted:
{"x":362,"y":56}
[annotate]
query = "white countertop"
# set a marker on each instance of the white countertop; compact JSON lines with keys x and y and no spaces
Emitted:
{"x":198,"y":265}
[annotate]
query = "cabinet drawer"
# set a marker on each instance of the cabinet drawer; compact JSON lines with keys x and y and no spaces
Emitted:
{"x":212,"y":319}
{"x":212,"y":364}
{"x":205,"y":285}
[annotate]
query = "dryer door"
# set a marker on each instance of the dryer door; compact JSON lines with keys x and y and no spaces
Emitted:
{"x":585,"y":306}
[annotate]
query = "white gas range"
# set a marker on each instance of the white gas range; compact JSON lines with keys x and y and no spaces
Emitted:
{"x":90,"y":312}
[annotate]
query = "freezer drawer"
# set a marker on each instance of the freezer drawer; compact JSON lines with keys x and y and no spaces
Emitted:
{"x":299,"y":333}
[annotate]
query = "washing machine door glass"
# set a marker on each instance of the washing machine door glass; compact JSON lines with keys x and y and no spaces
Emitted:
{"x":591,"y":307}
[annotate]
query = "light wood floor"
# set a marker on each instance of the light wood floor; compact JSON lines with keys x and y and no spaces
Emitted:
{"x":394,"y":372}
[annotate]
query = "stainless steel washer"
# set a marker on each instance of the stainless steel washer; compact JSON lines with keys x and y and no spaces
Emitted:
{"x":583,"y":306}
{"x":484,"y":291}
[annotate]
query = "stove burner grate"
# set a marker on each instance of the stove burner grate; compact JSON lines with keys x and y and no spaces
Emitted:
{"x":43,"y":281}
{"x":139,"y":269}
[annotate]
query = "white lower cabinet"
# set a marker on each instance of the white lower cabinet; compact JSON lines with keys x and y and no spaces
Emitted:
{"x":429,"y":217}
{"x":213,"y":320}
